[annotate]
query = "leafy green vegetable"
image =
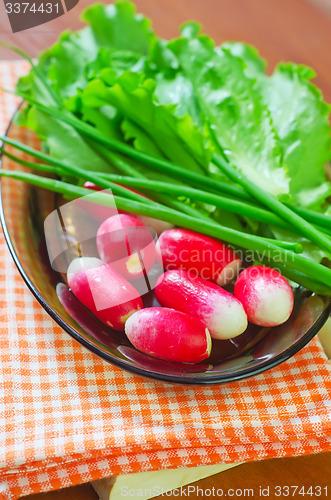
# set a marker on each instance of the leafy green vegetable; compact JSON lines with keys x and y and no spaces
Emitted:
{"x":115,"y":27}
{"x":255,"y":66}
{"x":232,"y":104}
{"x":118,"y":26}
{"x":114,"y":31}
{"x":301,"y":119}
{"x":177,"y":137}
{"x":63,"y":142}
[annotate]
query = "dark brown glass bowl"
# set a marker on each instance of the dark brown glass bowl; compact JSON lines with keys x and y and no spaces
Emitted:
{"x":23,"y":212}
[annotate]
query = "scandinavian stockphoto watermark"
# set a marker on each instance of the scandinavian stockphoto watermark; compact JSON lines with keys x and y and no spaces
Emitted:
{"x":193,"y":261}
{"x":28,"y":14}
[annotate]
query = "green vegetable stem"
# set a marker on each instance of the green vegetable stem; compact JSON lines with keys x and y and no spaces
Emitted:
{"x":232,"y":236}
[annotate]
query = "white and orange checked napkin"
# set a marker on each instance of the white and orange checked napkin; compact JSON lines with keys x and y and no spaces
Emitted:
{"x":67,"y":417}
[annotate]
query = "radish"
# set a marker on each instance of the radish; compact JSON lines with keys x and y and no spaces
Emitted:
{"x":265,"y":294}
{"x":103,"y":291}
{"x":201,"y":255}
{"x":216,"y":308}
{"x":84,"y":318}
{"x":169,"y":334}
{"x":126,"y":244}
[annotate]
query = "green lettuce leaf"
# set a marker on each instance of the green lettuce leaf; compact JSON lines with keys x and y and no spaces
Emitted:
{"x":117,"y":60}
{"x":143,"y":142}
{"x":63,"y":142}
{"x":115,"y":27}
{"x":116,"y":37}
{"x":232,"y":104}
{"x":179,"y":91}
{"x":255,"y":65}
{"x":177,"y":137}
{"x":301,"y":118}
{"x":172,"y":86}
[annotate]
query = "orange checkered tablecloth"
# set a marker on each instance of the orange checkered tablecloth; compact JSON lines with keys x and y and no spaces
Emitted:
{"x":67,"y":417}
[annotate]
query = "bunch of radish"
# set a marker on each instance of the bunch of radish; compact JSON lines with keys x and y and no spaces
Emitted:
{"x":194,"y":308}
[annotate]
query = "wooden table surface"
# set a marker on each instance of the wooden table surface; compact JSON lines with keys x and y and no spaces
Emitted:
{"x":296,"y":30}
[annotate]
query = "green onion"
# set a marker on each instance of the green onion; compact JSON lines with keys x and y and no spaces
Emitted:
{"x":127,"y":169}
{"x":233,"y":237}
{"x":232,"y":205}
{"x":175,"y":189}
{"x":42,"y":167}
{"x":276,"y":206}
{"x":97,"y":178}
{"x":77,"y":172}
{"x":229,"y":204}
{"x":295,"y":247}
{"x":314,"y":217}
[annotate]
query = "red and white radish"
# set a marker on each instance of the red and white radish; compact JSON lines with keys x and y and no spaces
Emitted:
{"x":103,"y":291}
{"x":265,"y":294}
{"x":199,"y":254}
{"x":169,"y":334}
{"x":84,"y":318}
{"x":127,"y":245}
{"x":223,"y":315}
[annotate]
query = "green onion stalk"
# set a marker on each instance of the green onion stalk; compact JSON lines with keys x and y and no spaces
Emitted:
{"x":312,"y":270}
{"x":99,"y":180}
